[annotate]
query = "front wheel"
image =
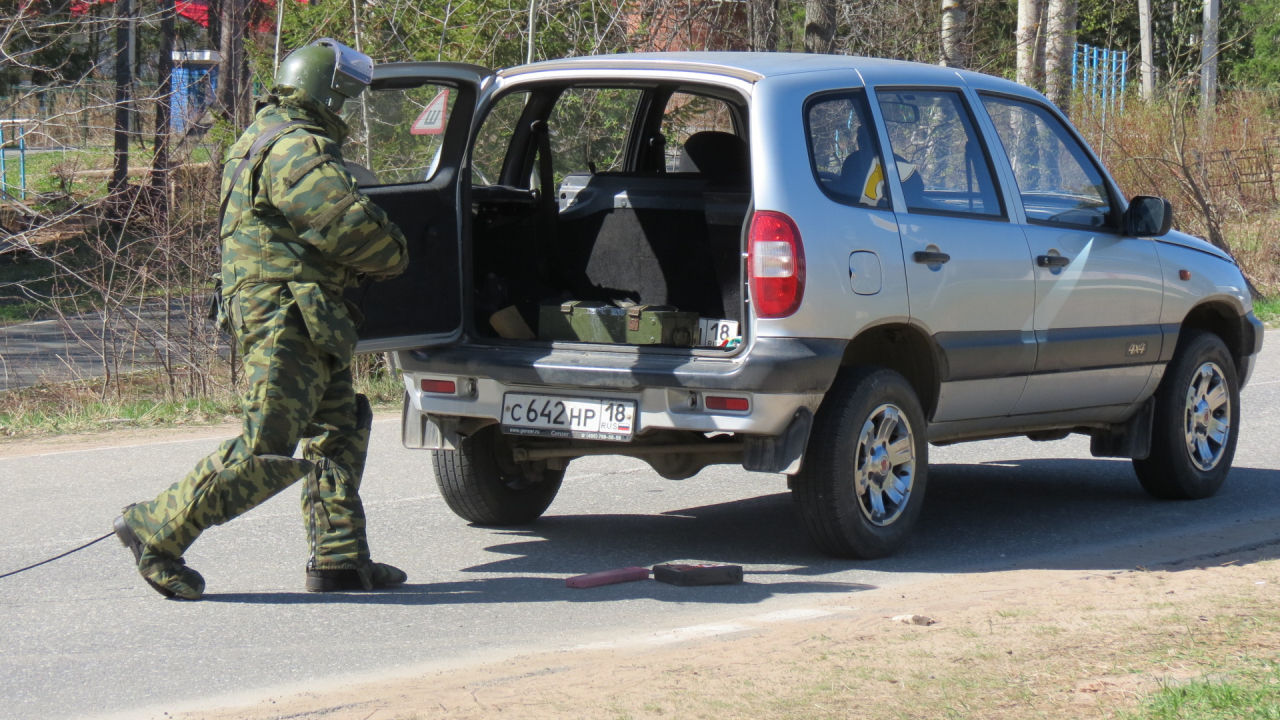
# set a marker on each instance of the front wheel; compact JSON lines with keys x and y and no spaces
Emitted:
{"x":863,"y":482}
{"x":1196,"y":422}
{"x":482,"y":483}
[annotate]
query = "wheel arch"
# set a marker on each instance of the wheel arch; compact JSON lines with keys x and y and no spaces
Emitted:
{"x":905,"y":349}
{"x":1222,"y":319}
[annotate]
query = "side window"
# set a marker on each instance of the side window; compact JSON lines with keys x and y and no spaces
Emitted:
{"x":941,"y":161}
{"x":494,"y":139}
{"x":686,"y":115}
{"x":589,"y":129}
{"x":843,"y":149}
{"x":1057,"y":180}
{"x":396,"y":135}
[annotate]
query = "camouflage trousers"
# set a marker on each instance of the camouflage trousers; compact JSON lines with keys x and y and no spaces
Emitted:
{"x":296,"y":393}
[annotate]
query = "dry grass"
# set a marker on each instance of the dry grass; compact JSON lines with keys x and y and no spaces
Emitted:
{"x":146,"y":400}
{"x":1170,"y":149}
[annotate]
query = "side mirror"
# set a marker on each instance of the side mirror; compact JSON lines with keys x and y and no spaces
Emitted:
{"x":1148,"y":217}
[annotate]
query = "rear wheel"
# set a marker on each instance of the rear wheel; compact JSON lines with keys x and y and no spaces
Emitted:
{"x":482,"y":484}
{"x":1196,"y":422}
{"x":863,"y":482}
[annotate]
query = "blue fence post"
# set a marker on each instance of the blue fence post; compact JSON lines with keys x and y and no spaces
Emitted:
{"x":1093,"y":70}
{"x":1075,"y":65}
{"x":1124,"y":78}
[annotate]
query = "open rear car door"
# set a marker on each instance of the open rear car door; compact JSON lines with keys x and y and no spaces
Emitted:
{"x":409,"y":135}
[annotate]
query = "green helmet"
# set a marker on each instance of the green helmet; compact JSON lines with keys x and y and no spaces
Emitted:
{"x":328,"y":71}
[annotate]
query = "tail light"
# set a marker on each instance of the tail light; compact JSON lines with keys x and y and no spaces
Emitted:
{"x":775,"y":264}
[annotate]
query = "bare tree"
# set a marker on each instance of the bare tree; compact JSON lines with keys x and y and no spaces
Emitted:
{"x":955,"y":17}
{"x":1147,"y":63}
{"x":1209,"y":55}
{"x":1030,"y":29}
{"x":1060,"y":43}
{"x":233,"y":78}
{"x":763,"y":18}
{"x":819,"y":26}
{"x":124,"y":86}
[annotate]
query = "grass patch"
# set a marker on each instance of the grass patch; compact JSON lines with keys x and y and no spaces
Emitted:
{"x":1268,"y":311}
{"x":145,"y":400}
{"x":1251,"y":694}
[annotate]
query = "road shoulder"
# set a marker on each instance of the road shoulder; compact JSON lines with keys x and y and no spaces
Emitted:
{"x":1018,"y":643}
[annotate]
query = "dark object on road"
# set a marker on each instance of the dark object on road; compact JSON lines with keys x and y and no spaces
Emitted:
{"x":690,"y":575}
{"x":607,"y":577}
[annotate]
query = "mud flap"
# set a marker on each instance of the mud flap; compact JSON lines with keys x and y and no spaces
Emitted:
{"x":779,"y":453}
{"x":1130,"y":439}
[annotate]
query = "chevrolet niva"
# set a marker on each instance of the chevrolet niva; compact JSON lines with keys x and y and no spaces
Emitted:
{"x":804,"y":264}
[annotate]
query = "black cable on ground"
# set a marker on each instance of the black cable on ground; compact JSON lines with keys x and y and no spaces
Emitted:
{"x":58,"y":557}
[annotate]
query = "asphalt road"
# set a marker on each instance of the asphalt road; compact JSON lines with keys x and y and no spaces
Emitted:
{"x":57,"y":350}
{"x":84,"y":636}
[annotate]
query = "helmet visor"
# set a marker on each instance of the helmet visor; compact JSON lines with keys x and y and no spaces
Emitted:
{"x":352,"y":72}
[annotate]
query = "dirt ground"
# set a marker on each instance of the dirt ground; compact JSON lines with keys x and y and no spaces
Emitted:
{"x":1015,"y":644}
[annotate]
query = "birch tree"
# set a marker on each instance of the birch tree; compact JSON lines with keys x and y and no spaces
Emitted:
{"x":819,"y":26}
{"x":1059,"y":45}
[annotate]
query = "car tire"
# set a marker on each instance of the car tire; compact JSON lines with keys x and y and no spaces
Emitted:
{"x":482,"y":484}
{"x":1196,"y":421}
{"x":870,"y":416}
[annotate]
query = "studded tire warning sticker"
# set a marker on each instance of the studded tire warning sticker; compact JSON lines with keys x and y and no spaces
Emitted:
{"x":432,"y":119}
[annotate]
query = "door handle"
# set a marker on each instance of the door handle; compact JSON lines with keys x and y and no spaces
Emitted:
{"x":1052,"y":261}
{"x":927,"y":258}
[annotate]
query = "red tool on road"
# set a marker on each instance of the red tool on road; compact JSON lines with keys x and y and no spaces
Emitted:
{"x":607,"y":577}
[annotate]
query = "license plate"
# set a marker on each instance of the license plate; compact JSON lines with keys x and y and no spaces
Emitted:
{"x":568,"y":417}
{"x":716,"y":333}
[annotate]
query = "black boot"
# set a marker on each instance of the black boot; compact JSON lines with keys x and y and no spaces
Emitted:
{"x":371,"y":576}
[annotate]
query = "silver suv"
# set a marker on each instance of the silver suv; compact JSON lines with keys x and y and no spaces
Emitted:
{"x":880,"y":255}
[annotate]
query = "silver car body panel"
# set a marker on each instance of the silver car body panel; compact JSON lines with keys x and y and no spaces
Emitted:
{"x":990,"y":292}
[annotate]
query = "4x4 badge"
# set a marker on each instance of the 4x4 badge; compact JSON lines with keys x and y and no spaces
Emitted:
{"x":1137,"y":348}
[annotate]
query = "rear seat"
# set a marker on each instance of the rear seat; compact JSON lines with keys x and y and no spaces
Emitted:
{"x":660,"y":238}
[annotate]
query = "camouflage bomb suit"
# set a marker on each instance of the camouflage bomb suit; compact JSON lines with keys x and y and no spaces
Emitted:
{"x":296,"y":231}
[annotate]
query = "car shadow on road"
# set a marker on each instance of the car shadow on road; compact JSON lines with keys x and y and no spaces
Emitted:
{"x":976,"y":518}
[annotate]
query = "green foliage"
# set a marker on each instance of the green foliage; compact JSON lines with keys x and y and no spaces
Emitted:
{"x":1253,"y":695}
{"x":40,"y":39}
{"x":1268,"y":310}
{"x":1262,"y":66}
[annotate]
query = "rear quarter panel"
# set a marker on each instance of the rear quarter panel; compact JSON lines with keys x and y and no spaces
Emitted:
{"x":783,"y":181}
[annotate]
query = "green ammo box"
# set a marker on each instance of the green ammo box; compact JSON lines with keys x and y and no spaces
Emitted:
{"x":600,"y":322}
{"x":583,"y":321}
{"x":661,"y":325}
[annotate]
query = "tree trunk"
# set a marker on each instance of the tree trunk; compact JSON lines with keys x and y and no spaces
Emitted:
{"x":124,"y":79}
{"x":955,"y":17}
{"x":1209,"y":55}
{"x":819,"y":26}
{"x":164,"y":100}
{"x":1030,"y":20}
{"x":1061,"y":41}
{"x":1147,"y":67}
{"x":764,"y":24}
{"x":231,"y":80}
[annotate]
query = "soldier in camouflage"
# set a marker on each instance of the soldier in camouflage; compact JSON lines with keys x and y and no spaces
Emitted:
{"x":296,"y":231}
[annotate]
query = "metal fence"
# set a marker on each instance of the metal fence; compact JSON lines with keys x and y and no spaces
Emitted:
{"x":1252,"y":171}
{"x":1100,"y":75}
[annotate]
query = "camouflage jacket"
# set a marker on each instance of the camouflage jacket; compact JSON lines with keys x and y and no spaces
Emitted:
{"x":297,"y":217}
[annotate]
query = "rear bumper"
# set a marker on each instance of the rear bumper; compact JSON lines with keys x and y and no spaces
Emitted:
{"x":772,"y":365}
{"x":778,"y":376}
